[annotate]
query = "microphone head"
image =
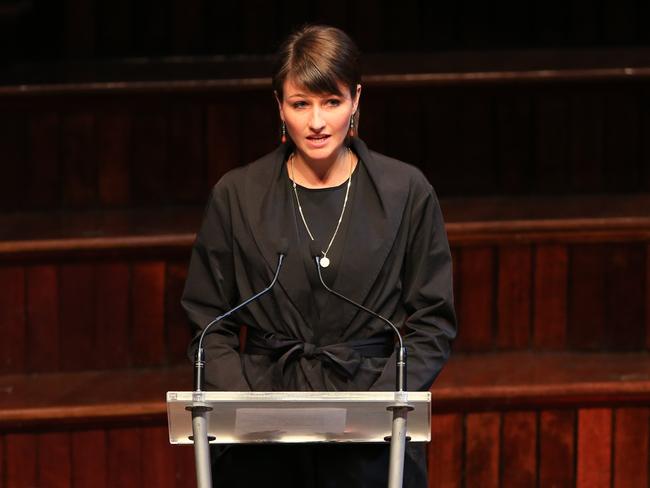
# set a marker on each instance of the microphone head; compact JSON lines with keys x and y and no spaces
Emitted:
{"x":315,"y":249}
{"x":283,"y":246}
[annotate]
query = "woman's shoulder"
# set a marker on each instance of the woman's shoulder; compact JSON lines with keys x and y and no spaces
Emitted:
{"x":400,"y":172}
{"x":235,"y":179}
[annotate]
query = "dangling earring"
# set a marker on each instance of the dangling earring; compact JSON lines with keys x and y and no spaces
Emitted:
{"x":283,"y":139}
{"x":351,"y":131}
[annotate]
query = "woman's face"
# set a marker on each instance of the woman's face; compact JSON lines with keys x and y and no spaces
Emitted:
{"x":317,"y":123}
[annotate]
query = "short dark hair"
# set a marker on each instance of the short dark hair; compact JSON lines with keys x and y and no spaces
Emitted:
{"x":318,"y":58}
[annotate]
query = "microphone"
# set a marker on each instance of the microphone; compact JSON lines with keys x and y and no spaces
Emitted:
{"x":400,"y":359}
{"x":199,"y":362}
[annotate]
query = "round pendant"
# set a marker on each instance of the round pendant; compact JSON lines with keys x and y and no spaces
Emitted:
{"x":324,"y":262}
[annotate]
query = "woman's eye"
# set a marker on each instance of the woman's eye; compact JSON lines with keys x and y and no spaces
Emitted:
{"x":334,"y":102}
{"x":300,"y":104}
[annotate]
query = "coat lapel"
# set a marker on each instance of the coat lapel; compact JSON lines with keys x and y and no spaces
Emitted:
{"x":270,"y":215}
{"x":374,"y":221}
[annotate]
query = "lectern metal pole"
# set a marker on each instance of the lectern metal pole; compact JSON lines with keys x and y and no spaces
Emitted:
{"x":398,"y":439}
{"x":201,"y":444}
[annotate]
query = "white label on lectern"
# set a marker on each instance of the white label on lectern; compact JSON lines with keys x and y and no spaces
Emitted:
{"x":289,"y":421}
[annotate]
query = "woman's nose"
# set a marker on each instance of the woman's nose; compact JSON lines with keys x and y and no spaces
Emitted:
{"x":316,"y":121}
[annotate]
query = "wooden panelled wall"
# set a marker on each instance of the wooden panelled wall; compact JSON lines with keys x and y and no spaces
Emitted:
{"x":583,"y":448}
{"x":122,"y":28}
{"x":119,"y":313}
{"x":90,"y":151}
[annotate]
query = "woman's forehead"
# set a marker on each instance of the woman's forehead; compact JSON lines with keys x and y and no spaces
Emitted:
{"x":293,"y":87}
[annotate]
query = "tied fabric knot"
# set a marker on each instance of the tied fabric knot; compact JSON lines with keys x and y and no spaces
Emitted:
{"x":344,"y":358}
{"x":309,"y":350}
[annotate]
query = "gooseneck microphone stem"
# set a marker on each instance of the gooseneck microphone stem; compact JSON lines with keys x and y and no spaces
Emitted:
{"x":400,"y":360}
{"x":400,"y":406}
{"x":199,"y":363}
{"x":199,"y":408}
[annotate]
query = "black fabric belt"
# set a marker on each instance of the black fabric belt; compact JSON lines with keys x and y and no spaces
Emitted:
{"x":344,"y":357}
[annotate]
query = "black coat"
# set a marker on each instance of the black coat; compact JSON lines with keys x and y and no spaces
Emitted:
{"x":395,"y":261}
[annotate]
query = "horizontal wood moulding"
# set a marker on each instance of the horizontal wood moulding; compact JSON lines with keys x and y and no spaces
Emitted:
{"x":469,"y":382}
{"x":385,"y":70}
{"x":469,"y":221}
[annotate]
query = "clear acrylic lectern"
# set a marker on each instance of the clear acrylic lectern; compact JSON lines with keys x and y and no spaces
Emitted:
{"x":280,"y":417}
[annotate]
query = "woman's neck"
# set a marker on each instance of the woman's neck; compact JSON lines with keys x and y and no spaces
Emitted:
{"x":321,"y":174}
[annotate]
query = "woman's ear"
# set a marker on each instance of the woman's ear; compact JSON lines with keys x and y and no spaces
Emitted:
{"x":357,"y":97}
{"x":277,"y":99}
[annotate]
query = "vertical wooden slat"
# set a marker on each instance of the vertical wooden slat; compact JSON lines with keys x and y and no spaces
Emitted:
{"x":43,"y":318}
{"x":594,"y":467}
{"x":77,"y":310}
{"x":622,"y":157}
{"x":89,"y":459}
{"x":334,"y":13}
{"x":188,"y":26}
{"x":402,"y":33}
{"x":586,"y":324}
{"x":370,"y":18}
{"x":372,"y":129}
{"x":159,"y":459}
{"x":631,"y":447}
{"x":445,"y":455}
{"x":113,"y":148}
{"x":586,"y":143}
{"x":620,"y":26}
{"x":625,"y":296}
{"x":513,"y":141}
{"x":20,"y":461}
{"x":79,"y":28}
{"x":476,"y":299}
{"x":176,"y":324}
{"x":13,"y":174}
{"x":585,"y":22}
{"x":13,"y":324}
{"x":443,"y":123}
{"x":152,"y":35}
{"x":260,"y":117}
{"x":475,"y":165}
{"x":404,"y":124}
{"x":79,"y":159}
{"x":439,"y":24}
{"x":149,"y":158}
{"x":114,"y":28}
{"x":2,"y":462}
{"x":187,"y":174}
{"x":550,"y":296}
{"x":125,"y":458}
{"x":482,"y":449}
{"x":44,"y":188}
{"x":551,"y":22}
{"x":647,"y":294}
{"x":475,"y":24}
{"x":223,"y":140}
{"x":519,"y":449}
{"x":148,"y":313}
{"x":514,"y":295}
{"x":551,"y":143}
{"x":557,"y":449}
{"x":54,"y":459}
{"x":259,"y":26}
{"x":112,"y":307}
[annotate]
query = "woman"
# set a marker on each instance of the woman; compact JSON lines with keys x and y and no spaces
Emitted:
{"x":378,"y":228}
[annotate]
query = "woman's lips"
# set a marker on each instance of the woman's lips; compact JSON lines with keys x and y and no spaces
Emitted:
{"x":318,"y":141}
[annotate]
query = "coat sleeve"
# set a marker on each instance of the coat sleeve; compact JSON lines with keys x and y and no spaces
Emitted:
{"x":427,"y":296}
{"x":210,"y":291}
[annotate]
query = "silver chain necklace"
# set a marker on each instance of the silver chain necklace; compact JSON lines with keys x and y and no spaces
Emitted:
{"x":324,"y":261}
